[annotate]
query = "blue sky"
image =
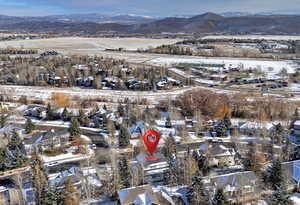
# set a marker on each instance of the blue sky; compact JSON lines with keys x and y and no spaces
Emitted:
{"x":142,"y":7}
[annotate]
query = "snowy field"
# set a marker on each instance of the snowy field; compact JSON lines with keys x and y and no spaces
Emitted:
{"x":4,"y":35}
{"x":44,"y":93}
{"x":87,"y":44}
{"x":253,"y":37}
{"x":267,"y":66}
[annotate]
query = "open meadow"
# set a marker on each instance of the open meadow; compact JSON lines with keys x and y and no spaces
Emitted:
{"x":92,"y":45}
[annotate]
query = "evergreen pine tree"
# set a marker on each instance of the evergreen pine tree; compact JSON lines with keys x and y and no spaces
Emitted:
{"x":104,"y":107}
{"x":197,"y":194}
{"x":286,"y":150}
{"x":125,"y":176}
{"x":173,"y":175}
{"x":97,"y":124}
{"x":74,"y":128}
{"x":124,"y":137}
{"x":2,"y":120}
{"x":15,"y":141}
{"x":146,"y":115}
{"x":40,"y":181}
{"x":19,"y":158}
{"x":29,"y":126}
{"x":81,"y":117}
{"x":49,"y":113}
{"x":280,"y":197}
{"x":203,"y":164}
{"x":278,"y":134}
{"x":121,"y":110}
{"x":227,"y":121}
{"x":65,"y":114}
{"x":248,"y":160}
{"x":221,"y":129}
{"x":52,"y":196}
{"x":132,"y":118}
{"x":170,"y":146}
{"x":168,"y":123}
{"x":276,"y":176}
{"x":220,"y":198}
{"x":3,"y":159}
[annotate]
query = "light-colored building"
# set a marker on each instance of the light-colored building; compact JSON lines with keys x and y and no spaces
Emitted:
{"x":296,"y":127}
{"x":239,"y":186}
{"x":145,"y":195}
{"x":153,"y":171}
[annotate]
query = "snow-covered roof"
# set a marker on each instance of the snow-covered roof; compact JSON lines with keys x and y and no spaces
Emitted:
{"x":256,"y":125}
{"x":153,"y":164}
{"x":62,"y":175}
{"x":181,"y":72}
{"x":218,"y":76}
{"x":141,"y":195}
{"x":234,"y":180}
{"x":205,"y":81}
{"x":297,"y":123}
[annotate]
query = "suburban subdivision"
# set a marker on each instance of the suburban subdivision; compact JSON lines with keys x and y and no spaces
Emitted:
{"x":135,"y":110}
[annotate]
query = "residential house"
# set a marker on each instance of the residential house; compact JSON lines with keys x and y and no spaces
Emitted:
{"x":6,"y":132}
{"x":137,"y":130}
{"x":81,"y":67}
{"x":72,"y":112}
{"x":219,"y":77}
{"x":296,"y":128}
{"x":47,"y":140}
{"x":291,"y":174}
{"x":38,"y":111}
{"x":82,"y":178}
{"x":205,"y":82}
{"x":218,"y":154}
{"x":144,"y":195}
{"x":11,"y":194}
{"x":239,"y":186}
{"x":251,"y":128}
{"x":153,"y":171}
{"x":58,"y":179}
{"x":180,"y":75}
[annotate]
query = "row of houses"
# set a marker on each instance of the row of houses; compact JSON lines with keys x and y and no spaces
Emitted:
{"x":240,"y":187}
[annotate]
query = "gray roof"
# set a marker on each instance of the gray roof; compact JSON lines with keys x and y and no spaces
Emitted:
{"x":237,"y":179}
{"x":9,"y":128}
{"x":141,"y":158}
{"x":41,"y":136}
{"x":144,"y":195}
{"x":128,"y":196}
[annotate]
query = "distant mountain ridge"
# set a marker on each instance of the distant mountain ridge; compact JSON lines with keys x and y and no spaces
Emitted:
{"x":204,"y":23}
{"x":82,"y":18}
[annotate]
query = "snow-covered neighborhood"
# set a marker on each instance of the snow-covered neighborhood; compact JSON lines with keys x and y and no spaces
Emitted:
{"x":145,"y":110}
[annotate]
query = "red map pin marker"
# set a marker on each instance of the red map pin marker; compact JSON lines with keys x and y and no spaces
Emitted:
{"x":151,"y":140}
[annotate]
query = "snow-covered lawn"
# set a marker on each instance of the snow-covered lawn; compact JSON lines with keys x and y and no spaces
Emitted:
{"x":295,"y":198}
{"x":44,"y":93}
{"x":68,"y":157}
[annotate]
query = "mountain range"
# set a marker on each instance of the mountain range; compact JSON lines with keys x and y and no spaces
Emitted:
{"x":233,"y":22}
